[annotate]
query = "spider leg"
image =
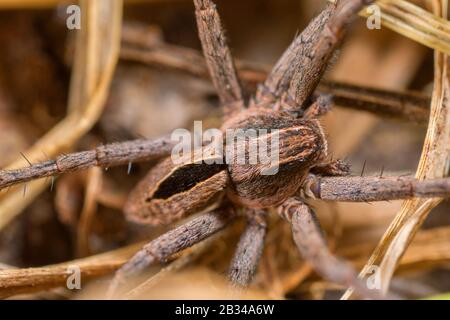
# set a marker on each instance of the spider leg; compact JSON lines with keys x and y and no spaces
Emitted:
{"x":249,"y":249}
{"x":218,"y":57}
{"x":174,"y":241}
{"x":375,"y":188}
{"x":105,"y":156}
{"x":314,"y":62}
{"x":279,"y":78}
{"x":310,"y":242}
{"x":320,"y":107}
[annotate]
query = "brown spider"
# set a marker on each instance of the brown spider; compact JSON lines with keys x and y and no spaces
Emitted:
{"x":283,"y":102}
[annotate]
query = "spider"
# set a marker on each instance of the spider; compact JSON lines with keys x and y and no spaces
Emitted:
{"x":285,"y":102}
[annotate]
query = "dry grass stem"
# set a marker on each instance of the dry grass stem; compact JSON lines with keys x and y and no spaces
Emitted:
{"x":45,"y":4}
{"x":94,"y":185}
{"x":413,"y":22}
{"x":85,"y":102}
{"x":433,"y":164}
{"x":19,"y":281}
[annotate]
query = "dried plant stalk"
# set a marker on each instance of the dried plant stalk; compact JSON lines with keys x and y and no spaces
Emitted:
{"x":19,"y":4}
{"x":390,"y":18}
{"x":43,"y":4}
{"x":433,"y":164}
{"x":105,"y":156}
{"x":420,"y":19}
{"x":81,"y":116}
{"x":413,"y":22}
{"x":18,"y":281}
{"x":402,"y":105}
{"x":87,"y":216}
{"x":428,"y":250}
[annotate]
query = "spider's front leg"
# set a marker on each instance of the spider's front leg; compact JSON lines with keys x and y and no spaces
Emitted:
{"x":374,"y":188}
{"x":218,"y":57}
{"x":249,"y":249}
{"x":109,"y":155}
{"x":174,"y":241}
{"x":310,"y":242}
{"x":319,"y":108}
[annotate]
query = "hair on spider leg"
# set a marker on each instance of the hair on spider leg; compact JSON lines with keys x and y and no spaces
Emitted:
{"x":363,"y":168}
{"x":382,"y":171}
{"x":46,"y":180}
{"x":26,"y":159}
